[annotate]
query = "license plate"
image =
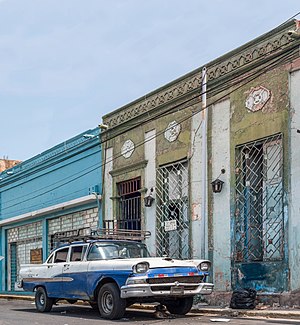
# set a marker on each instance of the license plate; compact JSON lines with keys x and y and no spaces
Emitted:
{"x":177,"y":290}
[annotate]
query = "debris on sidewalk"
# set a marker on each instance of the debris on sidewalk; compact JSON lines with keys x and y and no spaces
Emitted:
{"x":161,"y":312}
{"x":243,"y":299}
{"x":261,"y":306}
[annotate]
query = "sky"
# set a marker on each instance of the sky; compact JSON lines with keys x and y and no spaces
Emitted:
{"x":66,"y":63}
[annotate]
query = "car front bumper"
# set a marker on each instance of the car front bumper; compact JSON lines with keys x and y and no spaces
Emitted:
{"x":171,"y":290}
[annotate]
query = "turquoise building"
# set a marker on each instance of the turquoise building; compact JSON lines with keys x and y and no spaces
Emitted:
{"x":57,"y":190}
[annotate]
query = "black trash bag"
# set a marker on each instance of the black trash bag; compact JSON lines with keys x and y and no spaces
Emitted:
{"x":243,"y":299}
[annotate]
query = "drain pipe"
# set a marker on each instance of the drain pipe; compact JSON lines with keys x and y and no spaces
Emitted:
{"x":204,"y":163}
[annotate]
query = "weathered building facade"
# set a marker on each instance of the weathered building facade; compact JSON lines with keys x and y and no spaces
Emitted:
{"x":162,"y":151}
{"x":57,"y":190}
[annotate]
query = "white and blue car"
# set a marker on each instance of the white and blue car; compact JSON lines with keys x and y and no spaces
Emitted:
{"x":114,"y":274}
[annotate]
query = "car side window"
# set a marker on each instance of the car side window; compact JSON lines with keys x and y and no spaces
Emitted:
{"x":61,"y":255}
{"x":77,"y":253}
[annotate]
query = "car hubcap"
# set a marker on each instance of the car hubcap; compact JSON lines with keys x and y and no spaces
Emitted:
{"x":42,"y":299}
{"x":107,"y":302}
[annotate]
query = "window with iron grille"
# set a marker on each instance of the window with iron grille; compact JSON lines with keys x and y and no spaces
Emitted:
{"x":129,"y":205}
{"x":259,"y":200}
{"x":172,"y":217}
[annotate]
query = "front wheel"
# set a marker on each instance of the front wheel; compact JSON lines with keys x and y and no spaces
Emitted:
{"x":110,"y":304}
{"x":42,"y":302}
{"x":180,"y":306}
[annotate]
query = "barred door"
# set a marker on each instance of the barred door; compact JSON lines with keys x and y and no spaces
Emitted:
{"x":129,"y":207}
{"x":259,"y":232}
{"x":13,"y":266}
{"x":172,"y":217}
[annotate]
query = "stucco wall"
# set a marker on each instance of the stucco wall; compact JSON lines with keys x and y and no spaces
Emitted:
{"x":220,"y":159}
{"x":246,"y":126}
{"x":294,"y":220}
{"x":150,"y":177}
{"x":199,"y":246}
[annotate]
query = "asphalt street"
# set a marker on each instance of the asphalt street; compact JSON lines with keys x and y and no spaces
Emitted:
{"x":20,"y":312}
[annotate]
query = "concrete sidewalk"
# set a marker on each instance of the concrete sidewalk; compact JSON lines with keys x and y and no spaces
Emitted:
{"x":288,"y":313}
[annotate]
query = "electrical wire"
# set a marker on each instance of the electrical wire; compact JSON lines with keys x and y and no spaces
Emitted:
{"x":287,"y":55}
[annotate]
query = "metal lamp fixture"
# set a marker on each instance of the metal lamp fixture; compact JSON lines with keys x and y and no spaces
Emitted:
{"x":148,"y":200}
{"x":217,"y":184}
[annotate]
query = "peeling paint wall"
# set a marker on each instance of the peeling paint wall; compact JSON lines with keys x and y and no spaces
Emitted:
{"x":294,"y":220}
{"x":150,"y":178}
{"x":196,"y":186}
{"x":147,"y":157}
{"x":250,"y":125}
{"x":220,"y":208}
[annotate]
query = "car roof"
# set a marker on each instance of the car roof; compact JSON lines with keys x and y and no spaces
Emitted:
{"x":95,"y":241}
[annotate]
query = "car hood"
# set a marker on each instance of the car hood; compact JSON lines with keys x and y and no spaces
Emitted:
{"x":157,"y":262}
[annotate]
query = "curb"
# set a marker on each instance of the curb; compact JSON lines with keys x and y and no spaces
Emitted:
{"x":271,"y":313}
{"x":233,"y":313}
{"x":16,"y":297}
{"x":214,"y":311}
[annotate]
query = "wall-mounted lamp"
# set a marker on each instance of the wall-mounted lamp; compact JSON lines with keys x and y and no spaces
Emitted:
{"x":103,"y":126}
{"x":217,"y":184}
{"x":148,"y":200}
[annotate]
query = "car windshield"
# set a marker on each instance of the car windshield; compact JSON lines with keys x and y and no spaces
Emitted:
{"x":116,"y":250}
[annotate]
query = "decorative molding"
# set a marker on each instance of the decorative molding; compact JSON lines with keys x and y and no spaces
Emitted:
{"x":150,"y":102}
{"x":261,"y":50}
{"x":265,"y":46}
{"x":257,"y":98}
{"x":63,"y":148}
{"x":129,"y":168}
{"x":127,"y":149}
{"x":172,"y":131}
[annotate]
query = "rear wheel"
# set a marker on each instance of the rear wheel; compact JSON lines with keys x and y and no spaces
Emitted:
{"x":42,"y":302}
{"x":180,"y":306}
{"x":110,"y":304}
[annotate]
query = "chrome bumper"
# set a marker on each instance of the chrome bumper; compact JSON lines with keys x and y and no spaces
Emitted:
{"x":170,"y":290}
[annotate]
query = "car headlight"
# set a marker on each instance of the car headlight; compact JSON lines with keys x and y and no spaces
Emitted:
{"x":204,"y":266}
{"x":135,"y":281}
{"x":142,"y":267}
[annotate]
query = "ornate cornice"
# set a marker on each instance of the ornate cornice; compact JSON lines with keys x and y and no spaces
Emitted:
{"x":154,"y":100}
{"x":236,"y":61}
{"x":271,"y":44}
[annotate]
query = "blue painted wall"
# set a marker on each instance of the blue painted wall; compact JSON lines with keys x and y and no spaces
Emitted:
{"x":65,"y":172}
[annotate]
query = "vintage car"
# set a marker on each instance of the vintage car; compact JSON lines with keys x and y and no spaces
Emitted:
{"x":112,"y":274}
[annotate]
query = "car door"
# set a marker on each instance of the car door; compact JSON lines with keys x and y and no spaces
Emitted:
{"x":75,"y":273}
{"x":54,"y":272}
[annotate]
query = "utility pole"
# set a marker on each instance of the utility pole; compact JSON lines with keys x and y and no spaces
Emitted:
{"x":204,"y":165}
